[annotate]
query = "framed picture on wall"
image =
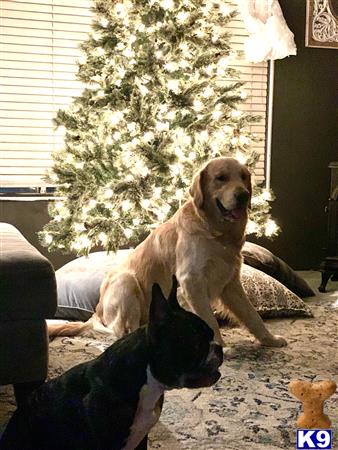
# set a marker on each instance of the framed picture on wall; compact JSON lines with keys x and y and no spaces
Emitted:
{"x":321,"y":23}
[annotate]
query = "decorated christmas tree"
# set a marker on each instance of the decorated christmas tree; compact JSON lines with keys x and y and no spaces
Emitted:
{"x":158,"y":103}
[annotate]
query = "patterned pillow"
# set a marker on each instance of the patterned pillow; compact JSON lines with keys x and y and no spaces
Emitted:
{"x":270,"y":297}
{"x":262,"y":259}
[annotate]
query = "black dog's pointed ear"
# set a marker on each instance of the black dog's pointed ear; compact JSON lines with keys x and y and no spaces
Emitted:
{"x":159,"y":307}
{"x":172,"y":299}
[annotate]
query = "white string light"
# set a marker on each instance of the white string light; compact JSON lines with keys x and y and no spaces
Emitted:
{"x":270,"y":227}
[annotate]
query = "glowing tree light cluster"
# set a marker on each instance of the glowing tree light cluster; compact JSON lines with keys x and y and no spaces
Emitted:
{"x":161,"y":98}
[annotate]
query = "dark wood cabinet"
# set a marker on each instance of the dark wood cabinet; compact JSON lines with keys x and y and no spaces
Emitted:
{"x":329,"y":267}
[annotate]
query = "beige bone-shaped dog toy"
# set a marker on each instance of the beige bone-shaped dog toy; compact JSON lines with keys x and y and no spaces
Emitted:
{"x":313,"y":395}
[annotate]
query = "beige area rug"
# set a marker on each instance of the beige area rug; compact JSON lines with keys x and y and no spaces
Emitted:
{"x":250,"y":406}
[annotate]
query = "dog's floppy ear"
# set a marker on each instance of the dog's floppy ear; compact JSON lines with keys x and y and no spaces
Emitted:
{"x":159,"y":308}
{"x":172,"y":299}
{"x":196,"y":188}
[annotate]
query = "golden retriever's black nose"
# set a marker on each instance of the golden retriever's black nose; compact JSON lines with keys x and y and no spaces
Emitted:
{"x":242,"y":198}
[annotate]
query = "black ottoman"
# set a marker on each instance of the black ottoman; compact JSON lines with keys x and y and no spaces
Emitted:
{"x":28,"y":297}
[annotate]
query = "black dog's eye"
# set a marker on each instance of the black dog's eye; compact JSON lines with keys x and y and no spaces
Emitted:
{"x":222,"y":178}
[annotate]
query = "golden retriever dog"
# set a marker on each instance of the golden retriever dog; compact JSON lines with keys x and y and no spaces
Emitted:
{"x":201,"y":244}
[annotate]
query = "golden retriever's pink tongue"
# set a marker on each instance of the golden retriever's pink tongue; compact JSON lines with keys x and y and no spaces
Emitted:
{"x":238,"y":213}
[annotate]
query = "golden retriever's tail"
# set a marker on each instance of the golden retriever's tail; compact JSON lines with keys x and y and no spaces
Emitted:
{"x":64,"y":328}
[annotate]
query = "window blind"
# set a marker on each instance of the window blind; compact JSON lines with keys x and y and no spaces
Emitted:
{"x":38,"y":53}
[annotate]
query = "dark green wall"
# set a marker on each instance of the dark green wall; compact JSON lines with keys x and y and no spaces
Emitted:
{"x":305,"y":138}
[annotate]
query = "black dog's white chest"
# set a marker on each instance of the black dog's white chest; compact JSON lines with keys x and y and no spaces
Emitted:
{"x":147,"y":413}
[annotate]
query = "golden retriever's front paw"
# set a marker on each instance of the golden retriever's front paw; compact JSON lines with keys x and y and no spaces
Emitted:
{"x":274,"y":341}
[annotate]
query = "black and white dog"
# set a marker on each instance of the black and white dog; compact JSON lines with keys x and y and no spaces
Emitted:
{"x":113,"y":401}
